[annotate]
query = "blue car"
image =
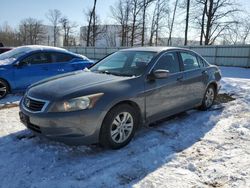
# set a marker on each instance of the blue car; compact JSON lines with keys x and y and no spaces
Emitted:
{"x":25,"y":65}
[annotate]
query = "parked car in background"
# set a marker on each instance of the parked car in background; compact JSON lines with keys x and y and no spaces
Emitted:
{"x":119,"y":93}
{"x":23,"y":66}
{"x":5,"y":49}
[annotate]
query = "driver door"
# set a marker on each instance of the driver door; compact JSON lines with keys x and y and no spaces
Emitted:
{"x":32,"y":69}
{"x":165,"y":96}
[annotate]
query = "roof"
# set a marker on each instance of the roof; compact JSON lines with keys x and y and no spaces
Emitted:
{"x":41,"y":47}
{"x":151,"y":49}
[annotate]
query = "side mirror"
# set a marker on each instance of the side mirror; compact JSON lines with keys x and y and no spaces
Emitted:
{"x":17,"y":64}
{"x":20,"y":64}
{"x":158,"y":74}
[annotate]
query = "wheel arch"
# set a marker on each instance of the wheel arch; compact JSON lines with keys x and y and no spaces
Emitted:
{"x":132,"y":104}
{"x":128,"y":102}
{"x":7,"y":82}
{"x":214,"y":84}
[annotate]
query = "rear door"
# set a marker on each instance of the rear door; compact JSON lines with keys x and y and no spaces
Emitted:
{"x":194,"y":78}
{"x":32,"y":68}
{"x":165,"y":96}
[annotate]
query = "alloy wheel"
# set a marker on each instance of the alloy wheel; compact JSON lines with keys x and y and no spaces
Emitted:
{"x":122,"y":127}
{"x":3,"y":89}
{"x":209,"y":98}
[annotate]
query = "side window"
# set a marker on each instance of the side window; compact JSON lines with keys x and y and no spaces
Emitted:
{"x":189,"y":61}
{"x":38,"y":58}
{"x":60,"y":57}
{"x":202,"y":62}
{"x":168,"y":61}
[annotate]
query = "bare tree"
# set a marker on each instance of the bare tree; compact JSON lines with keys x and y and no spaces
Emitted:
{"x":160,"y":16}
{"x":145,"y":6}
{"x":9,"y":36}
{"x":92,"y":33}
{"x":121,"y":13}
{"x":136,"y":7}
{"x":68,"y":29}
{"x":172,"y":23}
{"x":238,"y":32}
{"x":110,"y":35}
{"x":31,"y":31}
{"x":91,"y":21}
{"x":217,"y":16}
{"x":187,"y":20}
{"x":246,"y":29}
{"x":54,"y":17}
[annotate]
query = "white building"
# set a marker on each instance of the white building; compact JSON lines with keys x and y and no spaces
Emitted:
{"x":49,"y":37}
{"x":108,"y":36}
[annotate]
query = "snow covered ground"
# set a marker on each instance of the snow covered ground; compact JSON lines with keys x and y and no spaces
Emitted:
{"x":194,"y":149}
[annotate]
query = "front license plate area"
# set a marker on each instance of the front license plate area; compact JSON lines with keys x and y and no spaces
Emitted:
{"x":24,"y":118}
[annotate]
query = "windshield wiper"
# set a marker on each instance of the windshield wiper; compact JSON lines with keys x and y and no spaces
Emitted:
{"x":113,"y":73}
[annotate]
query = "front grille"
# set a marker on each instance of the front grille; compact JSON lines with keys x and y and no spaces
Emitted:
{"x":33,"y":104}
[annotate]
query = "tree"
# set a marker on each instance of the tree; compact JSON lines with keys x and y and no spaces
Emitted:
{"x":54,"y":17}
{"x":121,"y":13}
{"x":217,"y":16}
{"x":68,"y":29}
{"x":160,"y":16}
{"x":91,"y":22}
{"x":94,"y":32}
{"x":31,"y":31}
{"x":238,"y":32}
{"x":145,"y":6}
{"x":187,"y":20}
{"x":136,"y":7}
{"x":172,"y":24}
{"x":9,"y":36}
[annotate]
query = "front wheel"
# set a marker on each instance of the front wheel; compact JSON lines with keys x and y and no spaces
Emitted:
{"x":119,"y":126}
{"x":209,"y":98}
{"x":4,"y":89}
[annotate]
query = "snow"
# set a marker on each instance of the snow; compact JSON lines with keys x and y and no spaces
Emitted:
{"x":10,"y":100}
{"x":193,"y":149}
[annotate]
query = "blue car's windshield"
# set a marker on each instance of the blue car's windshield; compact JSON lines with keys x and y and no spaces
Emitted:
{"x":14,"y":54}
{"x":124,"y":63}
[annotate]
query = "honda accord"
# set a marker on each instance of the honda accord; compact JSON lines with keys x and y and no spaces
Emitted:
{"x":107,"y":103}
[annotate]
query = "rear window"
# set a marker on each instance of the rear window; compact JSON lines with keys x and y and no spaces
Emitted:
{"x":202,"y":62}
{"x":60,"y":57}
{"x":190,"y":61}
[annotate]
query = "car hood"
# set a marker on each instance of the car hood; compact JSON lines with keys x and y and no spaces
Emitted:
{"x":5,"y":62}
{"x":73,"y":84}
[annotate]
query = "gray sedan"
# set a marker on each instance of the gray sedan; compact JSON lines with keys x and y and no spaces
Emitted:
{"x":110,"y":101}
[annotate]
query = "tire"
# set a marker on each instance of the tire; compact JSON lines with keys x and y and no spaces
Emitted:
{"x":4,"y":89}
{"x":117,"y":132}
{"x":209,"y":98}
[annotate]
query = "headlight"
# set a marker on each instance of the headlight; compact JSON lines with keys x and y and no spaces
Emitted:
{"x":75,"y":104}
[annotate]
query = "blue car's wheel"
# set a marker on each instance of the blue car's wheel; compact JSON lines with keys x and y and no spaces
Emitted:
{"x":4,"y":89}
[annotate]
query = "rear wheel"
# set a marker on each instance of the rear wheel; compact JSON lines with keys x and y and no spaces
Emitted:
{"x":4,"y":89}
{"x":119,"y":126}
{"x":209,"y":98}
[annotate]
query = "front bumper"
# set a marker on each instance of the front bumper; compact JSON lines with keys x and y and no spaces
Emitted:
{"x":72,"y":128}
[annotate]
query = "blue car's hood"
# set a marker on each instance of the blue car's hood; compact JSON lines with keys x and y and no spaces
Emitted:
{"x":6,"y":62}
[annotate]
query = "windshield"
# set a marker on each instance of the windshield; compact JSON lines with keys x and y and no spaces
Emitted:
{"x":124,"y":63}
{"x":14,"y":54}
